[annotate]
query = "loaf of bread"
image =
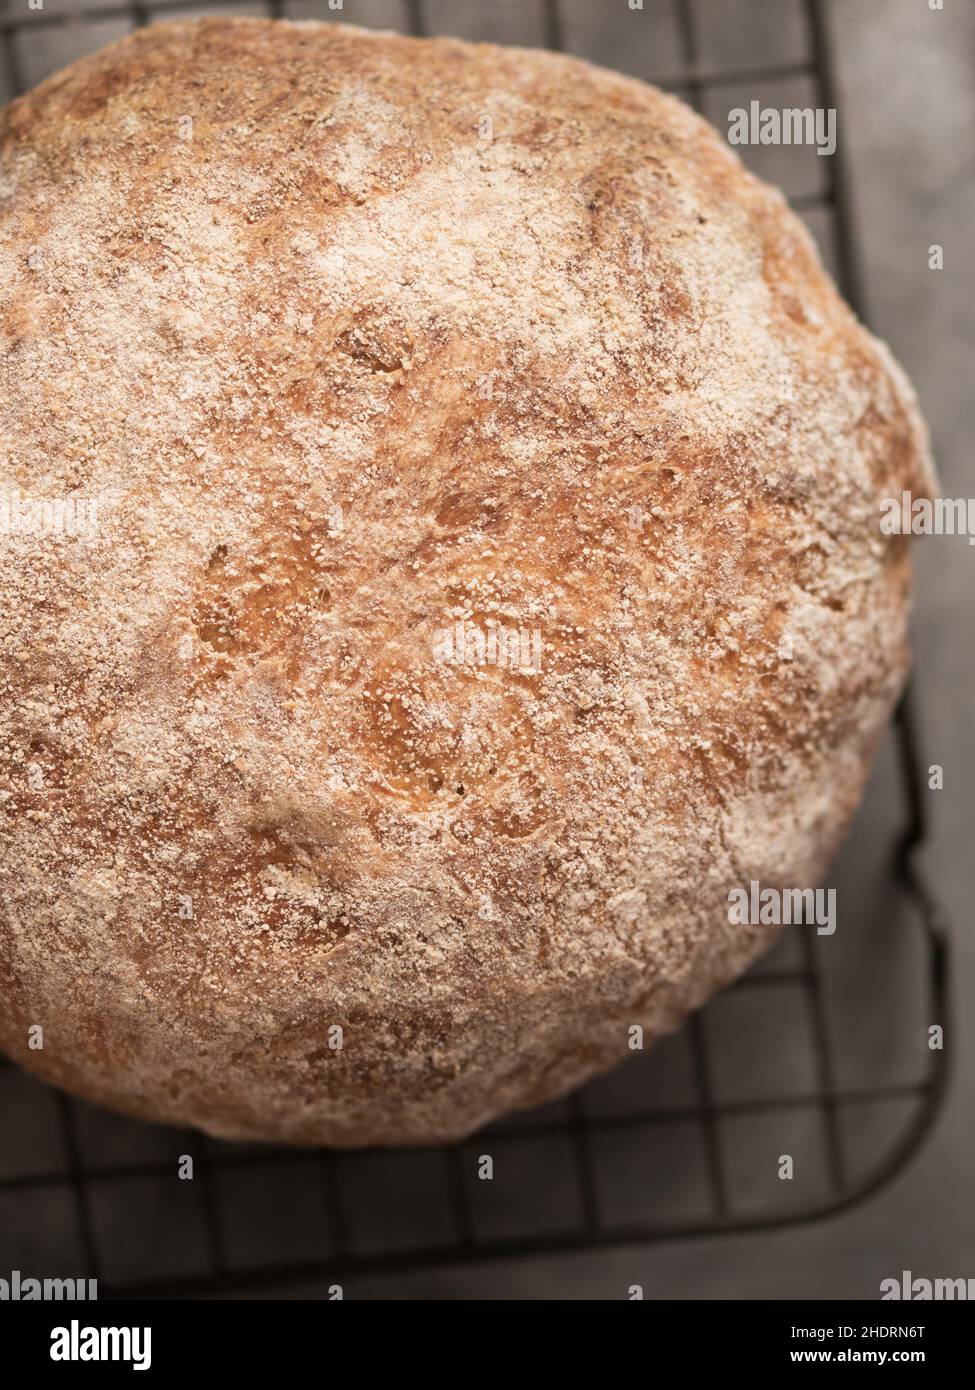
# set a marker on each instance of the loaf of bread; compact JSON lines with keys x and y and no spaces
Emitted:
{"x":440,"y":560}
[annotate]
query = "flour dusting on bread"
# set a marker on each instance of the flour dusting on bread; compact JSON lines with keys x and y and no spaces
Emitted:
{"x":349,"y":366}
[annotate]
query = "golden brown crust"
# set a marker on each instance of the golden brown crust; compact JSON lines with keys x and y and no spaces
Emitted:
{"x":356,"y":337}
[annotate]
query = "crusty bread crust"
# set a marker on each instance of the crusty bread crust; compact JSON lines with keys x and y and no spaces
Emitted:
{"x":355,"y":337}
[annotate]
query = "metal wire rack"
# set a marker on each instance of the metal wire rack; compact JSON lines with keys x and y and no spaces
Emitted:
{"x":819,"y":1054}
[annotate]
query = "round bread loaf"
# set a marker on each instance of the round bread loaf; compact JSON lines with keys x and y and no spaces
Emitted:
{"x":441,"y":560}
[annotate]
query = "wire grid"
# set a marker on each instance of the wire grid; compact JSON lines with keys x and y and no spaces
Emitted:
{"x":668,"y":1146}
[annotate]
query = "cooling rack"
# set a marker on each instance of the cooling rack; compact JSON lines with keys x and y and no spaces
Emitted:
{"x":820,"y":1051}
